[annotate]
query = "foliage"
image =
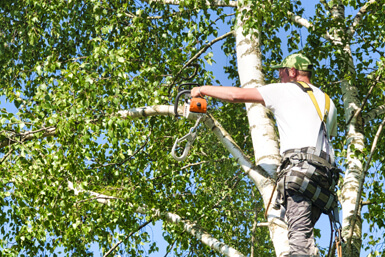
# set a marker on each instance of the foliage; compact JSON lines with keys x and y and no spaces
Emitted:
{"x":70,"y":66}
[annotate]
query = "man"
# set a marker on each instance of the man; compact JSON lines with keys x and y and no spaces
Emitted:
{"x":299,"y":126}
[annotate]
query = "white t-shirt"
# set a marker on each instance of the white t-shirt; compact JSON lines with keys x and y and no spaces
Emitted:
{"x":297,"y":118}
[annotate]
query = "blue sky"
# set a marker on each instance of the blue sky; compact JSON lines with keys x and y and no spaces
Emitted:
{"x":217,"y":68}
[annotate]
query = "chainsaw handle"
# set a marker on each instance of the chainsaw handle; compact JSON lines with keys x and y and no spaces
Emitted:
{"x":190,"y":86}
{"x":177,"y":100}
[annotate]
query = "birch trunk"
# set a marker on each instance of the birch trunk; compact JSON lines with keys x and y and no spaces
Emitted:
{"x":265,"y":142}
{"x":355,"y":141}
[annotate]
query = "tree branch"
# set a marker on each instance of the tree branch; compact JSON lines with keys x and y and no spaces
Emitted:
{"x":300,"y":20}
{"x":218,"y":3}
{"x":129,"y":235}
{"x":51,"y":131}
{"x":358,"y":18}
{"x":374,"y":113}
{"x":256,"y":173}
{"x":196,"y":56}
{"x":305,"y":23}
{"x":189,"y":226}
{"x":27,"y":136}
{"x":358,"y":111}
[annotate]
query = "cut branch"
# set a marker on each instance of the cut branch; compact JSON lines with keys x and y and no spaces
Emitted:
{"x":51,"y":131}
{"x":148,"y":111}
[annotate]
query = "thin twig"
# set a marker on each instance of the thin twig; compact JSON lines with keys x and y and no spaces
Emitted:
{"x":96,"y":198}
{"x":202,"y":162}
{"x":325,"y":4}
{"x":172,"y":246}
{"x":129,"y":235}
{"x":128,"y":158}
{"x":189,"y":62}
{"x":6,"y":156}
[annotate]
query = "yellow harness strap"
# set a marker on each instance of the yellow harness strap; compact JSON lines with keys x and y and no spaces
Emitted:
{"x":309,"y":91}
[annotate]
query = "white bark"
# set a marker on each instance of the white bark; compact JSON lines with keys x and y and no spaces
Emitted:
{"x":358,"y":18}
{"x":350,"y":187}
{"x":26,"y":136}
{"x":265,"y":142}
{"x":355,"y":141}
{"x":373,"y":114}
{"x":188,"y":226}
{"x":257,"y":174}
{"x":51,"y":131}
{"x":147,"y":111}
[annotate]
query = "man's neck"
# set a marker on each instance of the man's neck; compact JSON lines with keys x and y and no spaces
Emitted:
{"x":302,"y":78}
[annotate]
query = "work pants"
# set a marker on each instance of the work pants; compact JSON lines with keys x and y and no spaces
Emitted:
{"x":301,"y":217}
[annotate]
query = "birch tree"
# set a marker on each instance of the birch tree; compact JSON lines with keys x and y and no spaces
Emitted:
{"x":85,"y":148}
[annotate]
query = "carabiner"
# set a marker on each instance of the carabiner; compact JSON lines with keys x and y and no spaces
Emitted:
{"x":190,"y":137}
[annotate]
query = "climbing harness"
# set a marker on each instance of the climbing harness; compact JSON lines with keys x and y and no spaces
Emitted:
{"x":321,"y":176}
{"x":311,"y":171}
{"x":197,"y":106}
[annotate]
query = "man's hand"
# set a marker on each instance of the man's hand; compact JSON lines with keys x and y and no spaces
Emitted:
{"x":196,"y":92}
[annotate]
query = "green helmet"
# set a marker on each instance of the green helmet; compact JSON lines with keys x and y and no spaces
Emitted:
{"x":297,"y":61}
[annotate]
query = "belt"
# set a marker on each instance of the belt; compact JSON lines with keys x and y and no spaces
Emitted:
{"x":306,"y":154}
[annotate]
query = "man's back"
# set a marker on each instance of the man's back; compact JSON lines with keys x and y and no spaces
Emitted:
{"x":297,"y":119}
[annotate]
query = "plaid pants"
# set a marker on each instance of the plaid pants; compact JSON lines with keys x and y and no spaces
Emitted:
{"x":301,"y":217}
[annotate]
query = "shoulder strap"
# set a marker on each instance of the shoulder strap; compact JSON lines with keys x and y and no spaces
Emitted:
{"x":327,"y":106}
{"x":306,"y":88}
{"x":322,"y":132}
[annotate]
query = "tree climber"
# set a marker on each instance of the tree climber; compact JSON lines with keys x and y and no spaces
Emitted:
{"x":306,"y":176}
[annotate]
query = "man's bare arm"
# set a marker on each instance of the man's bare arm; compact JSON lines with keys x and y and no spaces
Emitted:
{"x":229,"y":94}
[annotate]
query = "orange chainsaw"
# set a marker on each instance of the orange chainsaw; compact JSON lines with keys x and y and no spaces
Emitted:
{"x":196,"y":105}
